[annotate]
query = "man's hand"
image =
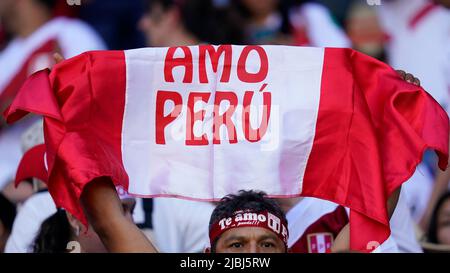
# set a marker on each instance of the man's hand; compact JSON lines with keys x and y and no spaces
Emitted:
{"x":408,"y":77}
{"x":104,"y":211}
{"x":342,"y":241}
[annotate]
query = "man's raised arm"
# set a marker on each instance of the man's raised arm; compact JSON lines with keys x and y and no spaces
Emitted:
{"x":104,"y":211}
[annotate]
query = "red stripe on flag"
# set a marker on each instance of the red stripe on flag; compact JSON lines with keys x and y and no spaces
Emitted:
{"x":371,"y":132}
{"x":84,"y":141}
{"x":91,"y":93}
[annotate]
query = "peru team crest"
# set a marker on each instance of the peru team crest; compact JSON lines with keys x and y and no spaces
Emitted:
{"x":320,"y":242}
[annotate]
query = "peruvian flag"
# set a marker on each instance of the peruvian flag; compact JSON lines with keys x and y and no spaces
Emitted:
{"x":200,"y":122}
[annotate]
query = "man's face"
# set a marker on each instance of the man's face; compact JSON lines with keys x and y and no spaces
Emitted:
{"x":249,"y":240}
{"x":157,"y":25}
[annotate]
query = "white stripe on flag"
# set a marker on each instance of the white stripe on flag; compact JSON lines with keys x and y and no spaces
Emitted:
{"x":275,"y":164}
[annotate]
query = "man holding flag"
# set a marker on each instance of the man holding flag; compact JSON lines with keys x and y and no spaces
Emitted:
{"x":333,"y":124}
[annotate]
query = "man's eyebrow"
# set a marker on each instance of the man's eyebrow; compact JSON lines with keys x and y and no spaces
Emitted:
{"x":234,"y":238}
{"x":268,"y":236}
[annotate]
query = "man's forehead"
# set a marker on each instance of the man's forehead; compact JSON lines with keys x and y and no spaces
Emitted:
{"x":248,"y":233}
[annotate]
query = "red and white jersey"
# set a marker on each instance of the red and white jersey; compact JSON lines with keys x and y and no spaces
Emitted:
{"x":24,"y":56}
{"x":313,"y":26}
{"x":418,"y":34}
{"x":314,"y":224}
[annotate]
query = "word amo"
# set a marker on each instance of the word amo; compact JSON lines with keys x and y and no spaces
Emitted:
{"x":220,"y":116}
{"x":243,"y":74}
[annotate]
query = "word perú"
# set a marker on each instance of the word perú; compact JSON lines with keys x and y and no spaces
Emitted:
{"x":217,"y":96}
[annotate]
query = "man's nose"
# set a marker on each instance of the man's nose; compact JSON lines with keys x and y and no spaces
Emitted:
{"x":254,"y":248}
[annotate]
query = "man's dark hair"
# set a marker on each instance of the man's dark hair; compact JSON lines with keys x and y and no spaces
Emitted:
{"x":7,"y":213}
{"x":256,"y":201}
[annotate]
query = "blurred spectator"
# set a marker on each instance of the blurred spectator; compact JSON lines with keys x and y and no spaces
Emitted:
{"x":265,"y":21}
{"x":419,"y":28}
{"x":339,"y":9}
{"x":313,"y":25}
{"x":116,"y":21}
{"x":302,"y":23}
{"x":364,"y":29}
{"x":62,"y":232}
{"x":439,"y":230}
{"x":314,"y":225}
{"x":37,"y":206}
{"x":176,"y":23}
{"x":40,"y":205}
{"x":30,"y":171}
{"x":29,"y":218}
{"x":419,"y":42}
{"x":35,"y":35}
{"x":181,"y":225}
{"x":7,"y":215}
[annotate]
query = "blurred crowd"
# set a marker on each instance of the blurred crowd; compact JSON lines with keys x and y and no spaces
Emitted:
{"x":411,"y":35}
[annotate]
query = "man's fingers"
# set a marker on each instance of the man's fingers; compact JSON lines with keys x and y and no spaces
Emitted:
{"x":58,"y":58}
{"x":409,"y":78}
{"x":401,"y":73}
